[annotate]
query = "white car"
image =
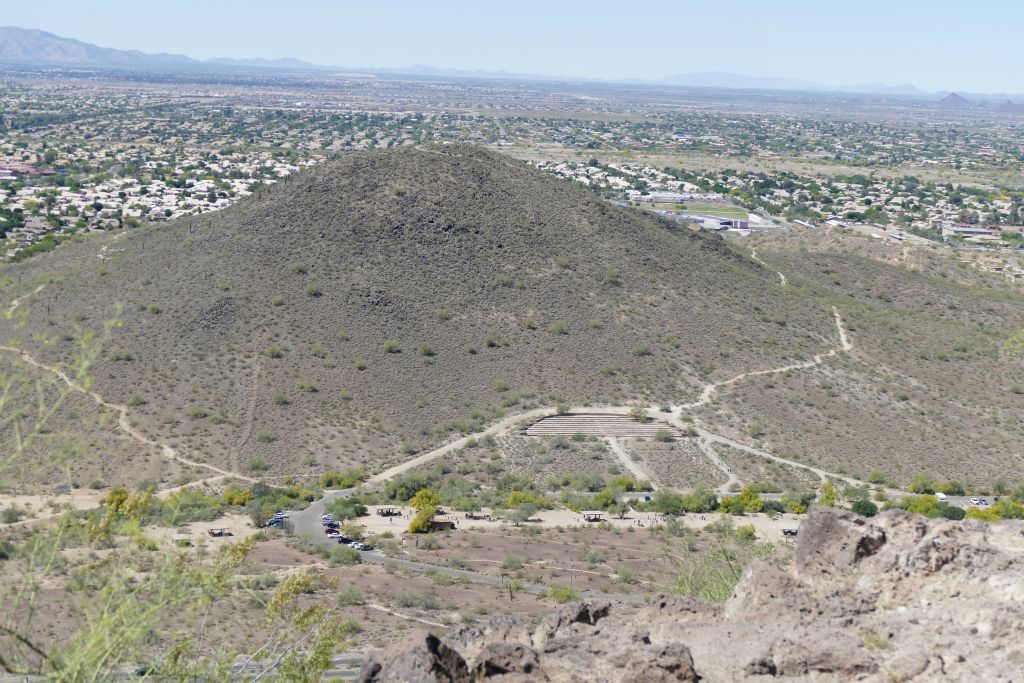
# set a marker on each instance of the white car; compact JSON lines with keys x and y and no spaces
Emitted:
{"x":333,"y":534}
{"x":975,"y":501}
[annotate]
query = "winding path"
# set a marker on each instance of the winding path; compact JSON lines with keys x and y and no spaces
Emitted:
{"x":17,"y":302}
{"x":710,"y":389}
{"x":123,"y":421}
{"x":782,"y":278}
{"x":250,"y":415}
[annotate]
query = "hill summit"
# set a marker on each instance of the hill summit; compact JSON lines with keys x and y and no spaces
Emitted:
{"x":373,"y":305}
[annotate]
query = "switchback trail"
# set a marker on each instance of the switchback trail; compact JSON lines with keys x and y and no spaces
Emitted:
{"x":123,"y":422}
{"x":710,"y":389}
{"x":782,"y":278}
{"x":17,"y":302}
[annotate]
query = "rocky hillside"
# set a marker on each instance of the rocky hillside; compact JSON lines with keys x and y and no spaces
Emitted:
{"x":368,"y":308}
{"x":894,"y":598}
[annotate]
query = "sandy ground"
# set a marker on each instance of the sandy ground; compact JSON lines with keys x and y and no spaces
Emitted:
{"x":767,"y":529}
{"x":238,"y":526}
{"x":35,"y":507}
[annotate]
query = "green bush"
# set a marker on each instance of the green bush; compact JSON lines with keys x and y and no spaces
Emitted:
{"x":562,"y":594}
{"x":197,"y":412}
{"x":346,"y":508}
{"x":344,"y":556}
{"x":864,"y":508}
{"x":391,"y":346}
{"x":265,"y":436}
{"x":664,"y":436}
{"x":345,"y":479}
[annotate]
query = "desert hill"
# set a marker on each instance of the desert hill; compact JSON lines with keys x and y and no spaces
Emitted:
{"x":369,"y":307}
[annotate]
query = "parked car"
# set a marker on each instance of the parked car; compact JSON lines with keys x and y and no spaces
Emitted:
{"x":983,"y":501}
{"x":941,"y":496}
{"x":975,"y":501}
{"x":343,"y":540}
{"x":275,"y":521}
{"x":331,"y":533}
{"x":331,"y":525}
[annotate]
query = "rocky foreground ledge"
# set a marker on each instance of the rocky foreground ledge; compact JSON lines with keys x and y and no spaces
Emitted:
{"x":893,"y":598}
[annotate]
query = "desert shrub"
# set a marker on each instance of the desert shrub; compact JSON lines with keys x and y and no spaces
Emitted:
{"x":281,"y":399}
{"x":502,"y":280}
{"x":265,"y":436}
{"x":639,"y":413}
{"x":153,"y":308}
{"x":346,"y":508}
{"x":350,"y":596}
{"x":409,"y":599}
{"x":277,"y":301}
{"x":921,"y":484}
{"x":951,"y":512}
{"x":274,"y":351}
{"x":317,"y":351}
{"x":425,"y":350}
{"x":562,"y":594}
{"x":297,"y":268}
{"x":828,"y":495}
{"x":344,"y":556}
{"x":511,"y":564}
{"x":877,"y":476}
{"x":391,"y":346}
{"x":518,"y":498}
{"x":950,"y":488}
{"x":984,"y":514}
{"x":197,"y":412}
{"x":797,"y":503}
{"x":188,"y":505}
{"x":236,"y":495}
{"x":345,"y":479}
{"x":257,"y":464}
{"x":864,"y":508}
{"x":746,"y":532}
{"x":313,"y":291}
{"x":663,"y":436}
{"x":11,"y":514}
{"x":558,"y":328}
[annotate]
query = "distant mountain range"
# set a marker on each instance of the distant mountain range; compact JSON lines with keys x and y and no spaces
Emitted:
{"x":35,"y":47}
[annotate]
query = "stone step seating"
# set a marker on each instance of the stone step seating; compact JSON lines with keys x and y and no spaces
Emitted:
{"x":597,"y":424}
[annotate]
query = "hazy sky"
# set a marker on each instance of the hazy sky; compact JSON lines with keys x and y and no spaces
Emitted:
{"x":934,"y":44}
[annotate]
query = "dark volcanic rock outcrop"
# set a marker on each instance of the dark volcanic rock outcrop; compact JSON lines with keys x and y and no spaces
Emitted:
{"x":895,"y":598}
